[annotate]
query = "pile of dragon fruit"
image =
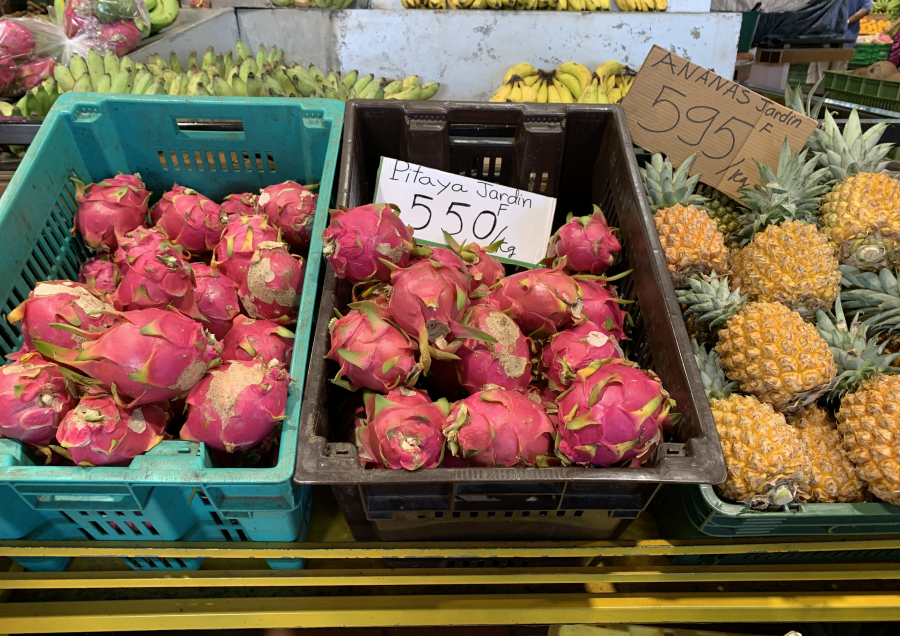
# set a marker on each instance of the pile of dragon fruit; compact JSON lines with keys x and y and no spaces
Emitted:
{"x":21,"y":66}
{"x":533,"y":363}
{"x":181,"y":318}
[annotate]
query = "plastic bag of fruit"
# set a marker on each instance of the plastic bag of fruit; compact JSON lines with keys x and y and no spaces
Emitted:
{"x":122,"y":22}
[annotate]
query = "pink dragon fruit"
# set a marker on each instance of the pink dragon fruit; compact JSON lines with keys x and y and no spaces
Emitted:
{"x":482,"y":365}
{"x":237,"y":405}
{"x":401,"y":395}
{"x":102,"y":432}
{"x":273,"y":284}
{"x":34,"y":397}
{"x":442,"y":255}
{"x":122,"y":37}
{"x":75,"y":15}
{"x":150,"y":355}
{"x":154,"y":274}
{"x":217,"y":299}
{"x":402,"y":436}
{"x":240,"y":240}
{"x":16,"y":39}
{"x":541,"y":301}
{"x":100,"y":272}
{"x":541,"y":394}
{"x":373,"y":354}
{"x":602,"y":307}
{"x":573,"y":349}
{"x":251,"y":339}
{"x":191,"y":220}
{"x":613,"y":412}
{"x":485,"y":270}
{"x":358,"y":241}
{"x":53,"y":307}
{"x":291,"y":208}
{"x":165,"y":202}
{"x":237,"y":205}
{"x":426,"y":298}
{"x":110,"y":209}
{"x":587,"y":242}
{"x":8,"y":74}
{"x":500,"y":428}
{"x":32,"y":73}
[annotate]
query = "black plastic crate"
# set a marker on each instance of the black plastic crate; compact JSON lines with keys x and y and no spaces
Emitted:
{"x":581,"y":155}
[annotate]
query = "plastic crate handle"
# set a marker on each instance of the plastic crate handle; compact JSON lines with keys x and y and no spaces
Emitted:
{"x":78,"y":497}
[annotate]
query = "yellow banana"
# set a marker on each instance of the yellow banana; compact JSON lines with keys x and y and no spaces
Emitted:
{"x":571,"y":82}
{"x":529,"y":94}
{"x":604,"y":5}
{"x":479,"y":4}
{"x":610,"y":67}
{"x":523,"y":69}
{"x":615,"y":95}
{"x":531,"y":5}
{"x":662,"y":5}
{"x":516,"y":93}
{"x":581,"y":72}
{"x":576,"y":5}
{"x":501,"y":94}
{"x":590,"y":5}
{"x":564,"y":95}
{"x":563,"y":5}
{"x":602,"y":96}
{"x":553,"y":95}
{"x":542,"y":91}
{"x":589,"y":94}
{"x":531,"y":80}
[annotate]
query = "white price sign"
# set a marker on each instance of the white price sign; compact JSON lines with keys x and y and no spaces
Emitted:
{"x":434,"y":202}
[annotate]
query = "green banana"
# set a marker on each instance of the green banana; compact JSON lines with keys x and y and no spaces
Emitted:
{"x":191,"y":86}
{"x":362,"y":82}
{"x":371,"y":88}
{"x":409,"y":82}
{"x":279,"y":55}
{"x":254,"y":86}
{"x":77,"y":66}
{"x":232,"y":72}
{"x":219,"y":64}
{"x":242,"y":50}
{"x":95,"y":66}
{"x":157,"y":88}
{"x":104,"y":84}
{"x":286,"y":84}
{"x":239,"y":86}
{"x":305,"y":83}
{"x":318,"y":75}
{"x":262,"y":56}
{"x":378,"y":94}
{"x":64,"y":78}
{"x":248,"y":66}
{"x":111,"y":64}
{"x":122,"y":82}
{"x":393,"y":88}
{"x":333,"y":79}
{"x":126,"y":63}
{"x":140,"y":86}
{"x":413,"y":93}
{"x":7,"y":109}
{"x":272,"y":86}
{"x":175,"y":63}
{"x":175,"y":87}
{"x":229,"y":62}
{"x":349,"y":80}
{"x":273,"y":53}
{"x":192,"y":60}
{"x":429,"y":89}
{"x":163,"y":14}
{"x":209,"y":58}
{"x":221,"y":87}
{"x":330,"y":93}
{"x":83,"y":84}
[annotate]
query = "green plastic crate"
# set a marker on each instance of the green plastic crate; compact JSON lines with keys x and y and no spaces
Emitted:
{"x":697,"y":512}
{"x":846,"y":87}
{"x":866,"y":54}
{"x":173,"y":492}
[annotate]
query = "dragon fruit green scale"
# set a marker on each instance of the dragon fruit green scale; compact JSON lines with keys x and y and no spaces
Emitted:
{"x":613,"y":412}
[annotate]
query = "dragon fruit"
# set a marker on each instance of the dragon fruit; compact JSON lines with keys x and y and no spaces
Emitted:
{"x":122,"y":37}
{"x":237,"y":405}
{"x":373,"y":354}
{"x":602,"y":307}
{"x":100,"y":272}
{"x":442,"y":255}
{"x":191,"y":220}
{"x":102,"y":432}
{"x":55,"y":305}
{"x":240,"y":240}
{"x":402,"y":435}
{"x":614,"y":411}
{"x":404,"y":396}
{"x":273,"y":284}
{"x":541,"y":301}
{"x":8,"y":74}
{"x":541,"y":394}
{"x":573,"y":349}
{"x":485,"y":270}
{"x":250,"y":339}
{"x":504,"y":363}
{"x":110,"y":209}
{"x":587,"y":242}
{"x":292,"y":209}
{"x":426,"y":298}
{"x":16,"y":39}
{"x":34,"y":397}
{"x":162,"y":206}
{"x":358,"y":241}
{"x":30,"y":74}
{"x":237,"y":205}
{"x":217,"y":299}
{"x":500,"y":428}
{"x":154,"y":274}
{"x":149,"y":356}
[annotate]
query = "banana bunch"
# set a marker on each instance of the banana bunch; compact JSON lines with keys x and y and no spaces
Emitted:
{"x":642,"y":5}
{"x":570,"y":83}
{"x":35,"y":103}
{"x":890,"y":7}
{"x":246,"y":75}
{"x":514,"y":5}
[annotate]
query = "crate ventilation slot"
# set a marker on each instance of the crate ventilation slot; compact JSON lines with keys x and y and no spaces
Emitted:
{"x":219,"y":161}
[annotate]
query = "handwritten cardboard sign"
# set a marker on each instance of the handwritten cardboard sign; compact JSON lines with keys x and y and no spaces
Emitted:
{"x":678,"y":108}
{"x":432,"y":201}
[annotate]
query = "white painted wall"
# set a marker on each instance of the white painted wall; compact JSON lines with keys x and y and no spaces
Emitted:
{"x":468,"y":51}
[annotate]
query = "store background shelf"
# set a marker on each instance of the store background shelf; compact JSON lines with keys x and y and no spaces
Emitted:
{"x":194,"y":30}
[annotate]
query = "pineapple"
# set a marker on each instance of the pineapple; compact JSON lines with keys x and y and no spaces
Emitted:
{"x":793,"y":264}
{"x":723,"y":210}
{"x":691,"y":240}
{"x":861,"y":214}
{"x":767,"y":464}
{"x":792,"y":193}
{"x":869,"y":393}
{"x":768,"y":349}
{"x":876,"y":299}
{"x":834,"y":477}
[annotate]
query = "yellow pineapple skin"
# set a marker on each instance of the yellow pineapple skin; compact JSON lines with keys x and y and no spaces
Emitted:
{"x":793,"y":264}
{"x":834,"y":476}
{"x":692,"y":243}
{"x":869,"y":421}
{"x":861,"y":216}
{"x":773,"y":354}
{"x":761,"y":450}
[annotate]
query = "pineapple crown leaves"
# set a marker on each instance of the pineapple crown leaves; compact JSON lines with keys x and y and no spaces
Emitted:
{"x":666,"y":187}
{"x":856,"y":356}
{"x":875,"y":297}
{"x":711,"y":373}
{"x":793,"y":99}
{"x":852,"y":151}
{"x":791,"y":193}
{"x":711,"y":297}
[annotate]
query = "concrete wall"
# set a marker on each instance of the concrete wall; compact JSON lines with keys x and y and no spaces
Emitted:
{"x":194,"y":30}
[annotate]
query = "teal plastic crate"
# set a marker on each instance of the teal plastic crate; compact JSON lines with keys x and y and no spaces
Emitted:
{"x":846,"y":87}
{"x":697,"y":512}
{"x":174,"y":492}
